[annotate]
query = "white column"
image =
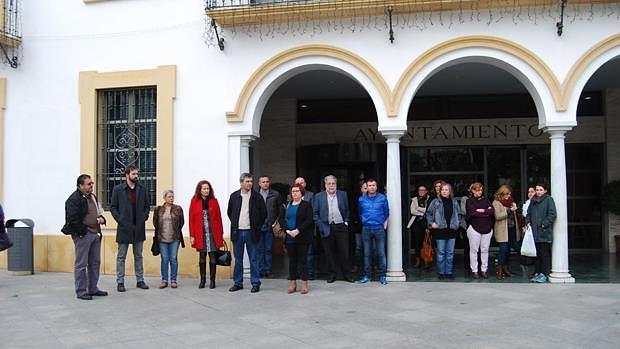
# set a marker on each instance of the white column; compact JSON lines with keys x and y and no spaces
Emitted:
{"x":394,"y":235}
{"x":245,"y":168}
{"x":559,"y":250}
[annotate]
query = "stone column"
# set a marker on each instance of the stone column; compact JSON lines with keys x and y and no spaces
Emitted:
{"x":395,"y":224}
{"x":559,"y":250}
{"x":245,"y":168}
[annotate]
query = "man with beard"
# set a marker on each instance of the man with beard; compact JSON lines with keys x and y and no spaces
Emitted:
{"x":130,"y":208}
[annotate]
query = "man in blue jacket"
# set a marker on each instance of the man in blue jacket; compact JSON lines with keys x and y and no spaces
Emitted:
{"x":374,"y":213}
{"x":331,"y":215}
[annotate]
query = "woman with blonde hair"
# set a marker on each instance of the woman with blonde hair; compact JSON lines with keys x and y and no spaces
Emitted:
{"x":506,"y":231}
{"x":168,"y":221}
{"x":480,"y":226}
{"x":442,"y":216}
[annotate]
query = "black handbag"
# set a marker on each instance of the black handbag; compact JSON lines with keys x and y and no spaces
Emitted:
{"x":223,"y":257}
{"x":155,"y":247}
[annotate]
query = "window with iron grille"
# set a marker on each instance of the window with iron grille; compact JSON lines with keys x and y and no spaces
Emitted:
{"x":127,"y":125}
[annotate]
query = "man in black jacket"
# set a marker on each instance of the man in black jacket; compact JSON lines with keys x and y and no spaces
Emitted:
{"x":273,"y":203}
{"x":82,"y":221}
{"x":247,"y":213}
{"x":130,"y":208}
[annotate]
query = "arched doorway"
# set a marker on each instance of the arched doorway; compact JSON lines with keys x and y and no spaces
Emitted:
{"x":316,"y":123}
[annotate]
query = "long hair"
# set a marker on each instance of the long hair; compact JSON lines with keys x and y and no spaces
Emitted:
{"x":199,"y":188}
{"x":501,"y":191}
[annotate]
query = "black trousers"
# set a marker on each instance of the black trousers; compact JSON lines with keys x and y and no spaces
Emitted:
{"x":336,"y":247}
{"x":297,"y":261}
{"x":418,"y":230}
{"x":543,"y":257}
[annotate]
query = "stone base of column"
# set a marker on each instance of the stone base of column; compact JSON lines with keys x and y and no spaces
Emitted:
{"x":396,"y":276}
{"x":561,"y":278}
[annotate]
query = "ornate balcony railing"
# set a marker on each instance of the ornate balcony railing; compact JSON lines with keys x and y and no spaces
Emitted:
{"x":10,"y":31}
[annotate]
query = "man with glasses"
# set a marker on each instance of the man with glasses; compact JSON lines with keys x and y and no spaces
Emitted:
{"x":82,"y":221}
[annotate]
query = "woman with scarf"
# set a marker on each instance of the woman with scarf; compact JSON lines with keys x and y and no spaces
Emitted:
{"x":442,"y":216}
{"x":205,"y":229}
{"x":417,"y":223}
{"x":480,"y":218}
{"x":540,"y":216}
{"x":506,"y":231}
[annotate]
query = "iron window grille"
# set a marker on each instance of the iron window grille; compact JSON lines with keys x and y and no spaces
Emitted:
{"x":127,"y":125}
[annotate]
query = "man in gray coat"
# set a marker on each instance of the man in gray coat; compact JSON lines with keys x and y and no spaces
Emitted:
{"x":130,"y":208}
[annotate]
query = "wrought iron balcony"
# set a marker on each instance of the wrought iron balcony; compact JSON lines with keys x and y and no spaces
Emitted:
{"x":10,"y":30}
{"x":229,"y":13}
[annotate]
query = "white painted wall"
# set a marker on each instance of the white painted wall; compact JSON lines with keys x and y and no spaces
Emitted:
{"x":63,"y":37}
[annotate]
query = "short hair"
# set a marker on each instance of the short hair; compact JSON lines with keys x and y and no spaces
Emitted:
{"x":263,"y":176}
{"x":328,"y":177}
{"x":130,"y":168}
{"x":199,"y":189}
{"x":475,"y":186}
{"x":168,"y":191}
{"x":81,"y":178}
{"x":295,"y":185}
{"x":543,"y":185}
{"x":372,"y":180}
{"x":244,"y":176}
{"x":449,"y":186}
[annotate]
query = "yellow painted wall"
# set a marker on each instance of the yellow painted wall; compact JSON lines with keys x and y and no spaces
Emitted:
{"x":55,"y":253}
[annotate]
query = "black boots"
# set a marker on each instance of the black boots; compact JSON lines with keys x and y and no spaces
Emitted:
{"x":212,"y":270}
{"x":203,"y":274}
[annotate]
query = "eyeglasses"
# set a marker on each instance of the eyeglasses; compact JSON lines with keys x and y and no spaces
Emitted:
{"x":295,"y":191}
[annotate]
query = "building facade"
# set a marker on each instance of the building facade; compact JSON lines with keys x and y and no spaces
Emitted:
{"x":502,"y":92}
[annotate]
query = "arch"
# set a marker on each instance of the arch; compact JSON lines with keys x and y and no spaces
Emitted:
{"x":586,"y":66}
{"x":471,"y":42}
{"x":238,"y":115}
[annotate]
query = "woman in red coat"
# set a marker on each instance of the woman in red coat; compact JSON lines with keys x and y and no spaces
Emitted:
{"x":205,"y":229}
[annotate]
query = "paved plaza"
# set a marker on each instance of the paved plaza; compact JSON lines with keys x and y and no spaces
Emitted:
{"x":41,"y":311}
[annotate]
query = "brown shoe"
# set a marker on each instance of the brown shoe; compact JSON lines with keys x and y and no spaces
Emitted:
{"x":293,"y":287}
{"x":507,"y":271}
{"x":499,"y":273}
{"x":304,"y":287}
{"x":164,"y":284}
{"x":173,"y":284}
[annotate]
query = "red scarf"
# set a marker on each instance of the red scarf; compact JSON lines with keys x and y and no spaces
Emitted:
{"x":507,"y":202}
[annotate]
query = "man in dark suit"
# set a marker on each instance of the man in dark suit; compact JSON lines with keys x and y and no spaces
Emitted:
{"x":331,"y":215}
{"x":130,"y":208}
{"x":247,"y":213}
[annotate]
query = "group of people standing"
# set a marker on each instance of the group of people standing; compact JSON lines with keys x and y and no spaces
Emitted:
{"x":441,"y":215}
{"x":252,"y":215}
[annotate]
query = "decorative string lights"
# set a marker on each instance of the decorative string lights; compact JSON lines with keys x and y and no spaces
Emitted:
{"x":271,"y":19}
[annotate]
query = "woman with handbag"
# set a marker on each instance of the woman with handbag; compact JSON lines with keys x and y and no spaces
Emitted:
{"x":540,"y":216}
{"x":417,"y":223}
{"x":507,"y":232}
{"x":442,"y":216}
{"x":299,"y":233}
{"x":479,"y":212}
{"x":205,"y":229}
{"x":168,"y":221}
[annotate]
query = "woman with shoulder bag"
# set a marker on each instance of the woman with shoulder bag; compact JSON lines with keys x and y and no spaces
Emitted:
{"x":299,"y":233}
{"x":168,"y":221}
{"x":479,"y":213}
{"x":417,"y":223}
{"x":205,"y":229}
{"x":442,"y":216}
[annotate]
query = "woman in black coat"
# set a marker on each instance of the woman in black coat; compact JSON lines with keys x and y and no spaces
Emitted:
{"x":299,"y":229}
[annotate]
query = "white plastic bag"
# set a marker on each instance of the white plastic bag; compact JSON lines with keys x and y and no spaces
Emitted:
{"x":528,"y":248}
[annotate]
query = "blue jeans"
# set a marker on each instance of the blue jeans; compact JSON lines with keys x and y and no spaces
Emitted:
{"x":359,"y":250}
{"x":445,"y":256}
{"x":504,"y":251}
{"x":169,"y":251}
{"x":264,"y":249}
{"x":244,"y":237}
{"x":374,"y":239}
